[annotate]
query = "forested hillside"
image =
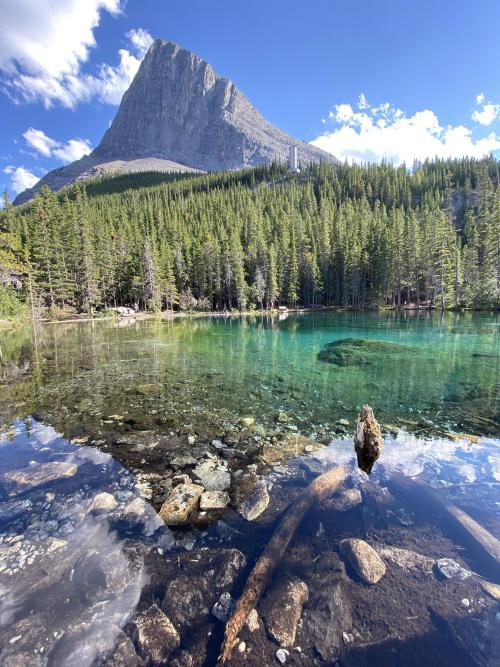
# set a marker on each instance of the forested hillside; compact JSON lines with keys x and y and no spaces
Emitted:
{"x":335,"y":235}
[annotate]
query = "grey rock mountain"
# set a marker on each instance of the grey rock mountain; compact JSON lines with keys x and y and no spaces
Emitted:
{"x":179,"y":115}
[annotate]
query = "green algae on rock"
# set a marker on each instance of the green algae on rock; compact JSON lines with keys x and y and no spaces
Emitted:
{"x":359,"y":351}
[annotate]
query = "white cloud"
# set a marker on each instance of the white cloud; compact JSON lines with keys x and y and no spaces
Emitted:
{"x":45,"y":44}
{"x":487,"y":115}
{"x":20,"y":178}
{"x":38,"y":140}
{"x":72,"y":150}
{"x":141,"y":40}
{"x":387,"y":133}
{"x":488,"y":112}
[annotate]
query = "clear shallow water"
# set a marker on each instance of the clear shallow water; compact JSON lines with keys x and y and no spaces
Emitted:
{"x":82,"y":555}
{"x":205,"y":373}
{"x":72,"y":576}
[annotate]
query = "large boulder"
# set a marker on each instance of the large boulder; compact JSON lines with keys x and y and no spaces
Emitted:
{"x":360,"y":351}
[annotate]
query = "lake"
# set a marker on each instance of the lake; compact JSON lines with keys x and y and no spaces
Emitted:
{"x":102,"y":421}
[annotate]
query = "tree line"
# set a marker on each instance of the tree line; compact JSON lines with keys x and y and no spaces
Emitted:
{"x":347,"y":236}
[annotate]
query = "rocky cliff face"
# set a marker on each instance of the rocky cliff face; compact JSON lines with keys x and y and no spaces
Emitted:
{"x":179,"y":115}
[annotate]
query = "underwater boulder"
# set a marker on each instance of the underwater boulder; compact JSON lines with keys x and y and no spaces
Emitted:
{"x":359,"y":351}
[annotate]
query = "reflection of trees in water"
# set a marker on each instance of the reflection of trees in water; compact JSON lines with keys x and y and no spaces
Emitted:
{"x":259,"y":364}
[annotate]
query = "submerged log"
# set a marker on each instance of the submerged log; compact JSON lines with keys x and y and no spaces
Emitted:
{"x":483,"y":540}
{"x":368,"y":439}
{"x":319,"y":489}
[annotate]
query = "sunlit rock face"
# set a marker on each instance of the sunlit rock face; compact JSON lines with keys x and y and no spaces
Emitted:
{"x":180,"y":115}
{"x":71,"y":573}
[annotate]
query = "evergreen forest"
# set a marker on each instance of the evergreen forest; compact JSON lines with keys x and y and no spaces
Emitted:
{"x":343,"y":236}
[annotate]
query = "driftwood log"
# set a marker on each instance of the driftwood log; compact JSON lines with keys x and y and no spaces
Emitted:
{"x":319,"y":489}
{"x":484,"y":541}
{"x":368,"y":441}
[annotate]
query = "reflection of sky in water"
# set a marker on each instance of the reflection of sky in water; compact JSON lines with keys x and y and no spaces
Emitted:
{"x":439,"y":461}
{"x":69,"y":579}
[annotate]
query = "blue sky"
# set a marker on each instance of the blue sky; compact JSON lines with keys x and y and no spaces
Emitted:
{"x":365,"y":79}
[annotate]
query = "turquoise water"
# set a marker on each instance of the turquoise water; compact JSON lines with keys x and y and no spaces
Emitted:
{"x":203,"y":374}
{"x":84,"y":553}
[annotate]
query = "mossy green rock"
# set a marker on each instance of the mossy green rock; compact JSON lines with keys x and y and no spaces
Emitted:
{"x":359,"y":351}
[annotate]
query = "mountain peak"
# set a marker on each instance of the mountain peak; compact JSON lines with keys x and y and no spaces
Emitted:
{"x":179,"y":115}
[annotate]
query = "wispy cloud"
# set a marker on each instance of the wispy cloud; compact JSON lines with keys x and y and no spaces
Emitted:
{"x":46,"y":44}
{"x":369,"y":133}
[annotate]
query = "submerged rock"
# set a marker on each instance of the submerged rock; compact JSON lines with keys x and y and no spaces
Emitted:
{"x":155,"y":636}
{"x":326,"y":619}
{"x":38,"y":475}
{"x":450,"y":569}
{"x":213,"y":475}
{"x":123,"y":654}
{"x":180,"y":503}
{"x":291,"y":446}
{"x":187,"y":600}
{"x":345,"y":500}
{"x":223,"y":608}
{"x":364,"y":559}
{"x":148,"y":389}
{"x":359,"y":351}
{"x":282,"y":609}
{"x":214,"y":500}
{"x":406,"y":559}
{"x":282,"y":655}
{"x":104,"y":502}
{"x":247,"y":422}
{"x":254,"y":501}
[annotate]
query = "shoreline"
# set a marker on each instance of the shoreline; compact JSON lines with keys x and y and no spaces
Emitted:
{"x":167,"y":315}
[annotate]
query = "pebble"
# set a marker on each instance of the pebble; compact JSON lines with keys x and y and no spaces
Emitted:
{"x":223,"y":608}
{"x":282,"y":655}
{"x":450,"y":569}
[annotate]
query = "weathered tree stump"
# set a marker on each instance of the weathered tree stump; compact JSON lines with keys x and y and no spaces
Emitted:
{"x":368,"y":441}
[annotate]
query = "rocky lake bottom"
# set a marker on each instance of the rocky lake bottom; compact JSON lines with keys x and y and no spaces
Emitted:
{"x":145,"y":466}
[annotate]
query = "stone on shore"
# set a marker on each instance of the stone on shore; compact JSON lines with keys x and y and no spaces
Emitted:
{"x":247,"y":422}
{"x":155,"y":636}
{"x":364,"y":559}
{"x":38,"y":475}
{"x":180,"y":503}
{"x":282,"y":609}
{"x":214,"y":500}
